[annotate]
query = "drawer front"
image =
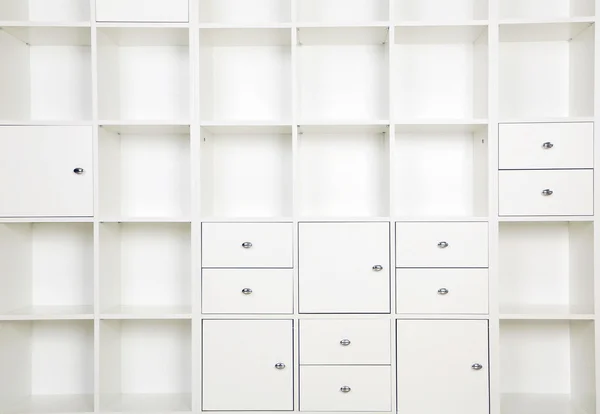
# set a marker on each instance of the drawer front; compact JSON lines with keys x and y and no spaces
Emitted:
{"x":523,"y":193}
{"x":337,"y":342}
{"x":345,"y":388}
{"x":539,"y":146}
{"x":247,"y":245}
{"x":247,"y":291}
{"x":142,"y":11}
{"x":442,"y":244}
{"x":421,"y":291}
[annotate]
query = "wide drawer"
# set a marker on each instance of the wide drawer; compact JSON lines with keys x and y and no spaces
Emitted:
{"x":247,"y":291}
{"x":247,"y":245}
{"x":539,"y":146}
{"x":422,"y":291}
{"x":546,"y":193}
{"x":438,"y":244}
{"x":344,"y":388}
{"x":331,"y":342}
{"x":142,"y":11}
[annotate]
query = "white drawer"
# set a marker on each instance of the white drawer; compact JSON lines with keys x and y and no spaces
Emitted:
{"x":442,"y":244}
{"x":442,"y":291}
{"x":522,"y":193}
{"x":247,"y":245}
{"x":539,"y":146}
{"x":346,"y":389}
{"x":331,"y":342}
{"x":248,"y":291}
{"x":142,"y":11}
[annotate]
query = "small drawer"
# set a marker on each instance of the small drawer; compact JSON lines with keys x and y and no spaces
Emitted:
{"x":442,"y":291}
{"x":247,"y":291}
{"x":539,"y":146}
{"x":546,"y":193}
{"x":333,"y":342}
{"x":174,"y":11}
{"x":440,"y":244}
{"x":345,"y":388}
{"x":247,"y":245}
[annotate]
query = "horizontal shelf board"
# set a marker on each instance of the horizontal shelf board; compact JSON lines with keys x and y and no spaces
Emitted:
{"x":564,"y":20}
{"x":437,"y":23}
{"x":40,"y":313}
{"x":27,"y":23}
{"x":46,"y":219}
{"x":325,"y":25}
{"x":40,"y":404}
{"x":546,"y":317}
{"x":45,"y":123}
{"x":343,"y":35}
{"x":545,"y":312}
{"x":547,"y":120}
{"x":148,"y":129}
{"x":343,"y":128}
{"x":244,"y":123}
{"x":144,"y":122}
{"x":157,"y":25}
{"x":309,"y":219}
{"x":245,"y":25}
{"x":247,"y":219}
{"x":541,"y":32}
{"x":546,"y":219}
{"x":147,"y":312}
{"x":440,"y":219}
{"x":441,"y":316}
{"x":146,"y":403}
{"x":538,"y":404}
{"x":147,"y":220}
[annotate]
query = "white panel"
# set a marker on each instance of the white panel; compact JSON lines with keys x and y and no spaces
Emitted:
{"x":245,"y":11}
{"x":14,"y":78}
{"x":329,"y":11}
{"x":142,"y":10}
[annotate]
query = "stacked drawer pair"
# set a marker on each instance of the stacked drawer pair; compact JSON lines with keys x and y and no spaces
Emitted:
{"x":546,"y":169}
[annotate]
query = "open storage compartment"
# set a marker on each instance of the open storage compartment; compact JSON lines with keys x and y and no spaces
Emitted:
{"x":145,"y":269}
{"x":144,"y":74}
{"x":546,"y":9}
{"x":343,"y":171}
{"x":145,"y":172}
{"x":342,"y":11}
{"x":46,"y":269}
{"x":56,"y":11}
{"x":546,"y":70}
{"x":46,"y":74}
{"x":247,"y":172}
{"x":441,"y":171}
{"x":47,"y":367}
{"x":441,"y":72}
{"x":446,"y":11}
{"x":145,"y":366}
{"x":546,"y":268}
{"x":245,"y":12}
{"x":547,"y":367}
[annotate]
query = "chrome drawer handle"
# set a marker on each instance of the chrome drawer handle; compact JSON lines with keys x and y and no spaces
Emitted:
{"x":345,"y":342}
{"x":547,"y":145}
{"x":345,"y":389}
{"x":547,"y":192}
{"x":477,"y":367}
{"x":378,"y":268}
{"x":246,"y":245}
{"x":443,"y":245}
{"x":280,"y":365}
{"x":246,"y":291}
{"x":443,"y":291}
{"x":78,"y":171}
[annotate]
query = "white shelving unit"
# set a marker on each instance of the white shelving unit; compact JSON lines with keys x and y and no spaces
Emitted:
{"x":273,"y":205}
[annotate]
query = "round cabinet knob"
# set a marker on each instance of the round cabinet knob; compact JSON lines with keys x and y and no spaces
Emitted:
{"x":547,"y":192}
{"x":477,"y":367}
{"x":246,"y":245}
{"x":547,"y":145}
{"x":443,"y":244}
{"x":246,"y":291}
{"x":443,"y":291}
{"x":280,"y":365}
{"x":345,"y":342}
{"x":78,"y":171}
{"x":378,"y":268}
{"x":345,"y":389}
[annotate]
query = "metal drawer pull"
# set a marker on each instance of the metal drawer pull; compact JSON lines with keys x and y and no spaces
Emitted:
{"x":345,"y":342}
{"x":547,"y":192}
{"x":547,"y":145}
{"x":246,"y":245}
{"x":477,"y":367}
{"x":378,"y":268}
{"x":280,"y":365}
{"x":443,"y":291}
{"x":246,"y":291}
{"x":443,"y":245}
{"x":78,"y":171}
{"x":345,"y":389}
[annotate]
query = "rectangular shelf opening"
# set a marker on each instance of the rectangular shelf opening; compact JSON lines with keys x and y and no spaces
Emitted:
{"x":145,"y":172}
{"x":343,"y":171}
{"x":547,"y":367}
{"x":343,"y":75}
{"x":145,"y":366}
{"x":440,"y":11}
{"x":546,"y":268}
{"x":143,"y":74}
{"x":245,"y":12}
{"x":47,"y":74}
{"x":245,"y":75}
{"x":46,"y":269}
{"x":145,"y":269}
{"x":56,"y":11}
{"x":342,"y":11}
{"x":545,"y":9}
{"x":247,"y":172}
{"x":47,"y":367}
{"x":441,"y":171}
{"x":441,"y":73}
{"x":546,"y":70}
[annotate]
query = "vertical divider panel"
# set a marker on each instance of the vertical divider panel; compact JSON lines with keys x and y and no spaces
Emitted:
{"x":596,"y":249}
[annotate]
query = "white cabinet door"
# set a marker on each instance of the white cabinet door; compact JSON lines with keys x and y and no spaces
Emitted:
{"x":46,"y":171}
{"x":142,"y":11}
{"x":442,"y":367}
{"x":344,"y":267}
{"x":247,"y":365}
